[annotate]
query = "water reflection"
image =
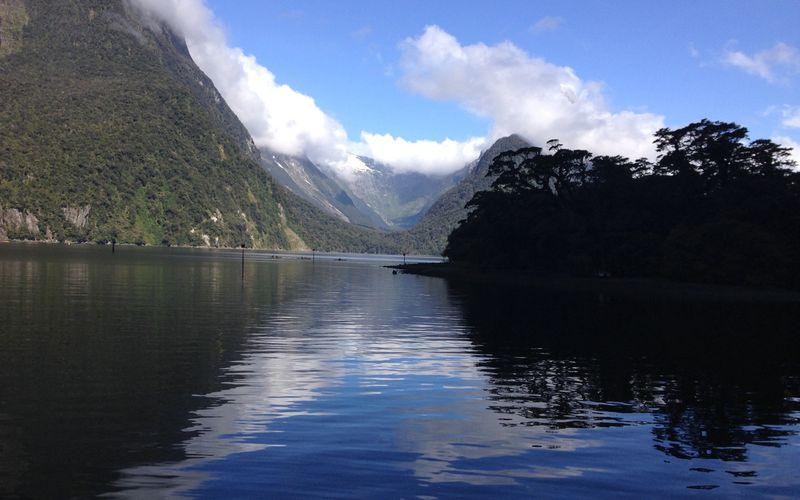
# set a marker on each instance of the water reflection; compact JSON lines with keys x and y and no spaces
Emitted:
{"x":160,"y":372}
{"x":716,"y":382}
{"x":435,"y":391}
{"x":353,"y":349}
{"x":100,"y":358}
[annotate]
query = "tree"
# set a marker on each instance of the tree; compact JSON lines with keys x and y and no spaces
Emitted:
{"x":714,"y":207}
{"x":717,"y":154}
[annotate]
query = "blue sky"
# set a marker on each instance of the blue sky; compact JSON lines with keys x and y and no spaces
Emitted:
{"x":616,"y":71}
{"x":342,"y":54}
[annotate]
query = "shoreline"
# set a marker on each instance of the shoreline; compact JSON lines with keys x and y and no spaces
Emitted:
{"x":308,"y":251}
{"x":625,"y":287}
{"x":69,"y":243}
{"x":276,"y":253}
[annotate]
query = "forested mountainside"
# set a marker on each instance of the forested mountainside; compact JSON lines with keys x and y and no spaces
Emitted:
{"x":110,"y":131}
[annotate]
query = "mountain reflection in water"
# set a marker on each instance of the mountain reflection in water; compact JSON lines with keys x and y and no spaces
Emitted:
{"x":159,"y":372}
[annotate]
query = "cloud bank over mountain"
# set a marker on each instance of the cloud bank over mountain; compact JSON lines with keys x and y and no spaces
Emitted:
{"x":277,"y":116}
{"x":518,"y":93}
{"x":523,"y":94}
{"x":427,"y":157}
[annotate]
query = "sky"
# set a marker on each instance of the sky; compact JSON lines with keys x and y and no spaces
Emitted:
{"x":425,"y":86}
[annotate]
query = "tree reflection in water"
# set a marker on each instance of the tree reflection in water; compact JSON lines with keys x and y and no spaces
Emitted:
{"x":713,"y":378}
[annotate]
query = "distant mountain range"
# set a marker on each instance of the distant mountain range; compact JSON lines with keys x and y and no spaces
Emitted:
{"x":420,"y":210}
{"x":111,"y":132}
{"x":374,"y":196}
{"x":302,"y":177}
{"x":400,"y":198}
{"x":429,"y":235}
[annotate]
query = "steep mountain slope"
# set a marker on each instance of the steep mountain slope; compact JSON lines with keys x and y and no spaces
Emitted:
{"x":400,"y":198}
{"x":429,"y":236}
{"x":302,"y":177}
{"x":110,"y":131}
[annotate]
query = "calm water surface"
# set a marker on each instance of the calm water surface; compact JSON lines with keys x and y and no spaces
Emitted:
{"x":165,"y":373}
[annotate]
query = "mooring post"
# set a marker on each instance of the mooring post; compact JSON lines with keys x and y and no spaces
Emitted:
{"x":242,"y":261}
{"x":113,"y":246}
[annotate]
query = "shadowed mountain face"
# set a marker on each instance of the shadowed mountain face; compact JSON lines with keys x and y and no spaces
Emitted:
{"x":429,"y":235}
{"x":375,"y":196}
{"x":112,"y":132}
{"x":302,"y":177}
{"x":401,"y":198}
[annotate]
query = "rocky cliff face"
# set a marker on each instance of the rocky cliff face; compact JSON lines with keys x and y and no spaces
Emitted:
{"x":18,"y":224}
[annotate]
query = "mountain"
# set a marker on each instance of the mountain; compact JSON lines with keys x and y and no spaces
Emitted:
{"x":110,"y":131}
{"x":302,"y":177}
{"x":400,"y":198}
{"x":373,"y":194}
{"x":429,"y":235}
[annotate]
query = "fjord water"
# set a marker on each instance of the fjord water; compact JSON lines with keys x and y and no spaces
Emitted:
{"x":168,"y":372}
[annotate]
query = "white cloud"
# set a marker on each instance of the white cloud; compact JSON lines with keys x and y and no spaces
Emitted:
{"x":791,"y":116}
{"x":523,"y":94}
{"x":277,"y":116}
{"x":284,"y":120}
{"x":773,"y":64}
{"x":545,"y":24}
{"x":788,"y":142}
{"x":429,"y":157}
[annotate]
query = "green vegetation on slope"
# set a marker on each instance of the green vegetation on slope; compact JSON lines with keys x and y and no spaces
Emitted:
{"x":110,"y":131}
{"x":98,"y":113}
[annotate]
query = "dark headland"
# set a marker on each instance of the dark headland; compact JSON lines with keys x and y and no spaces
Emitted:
{"x":713,"y":218}
{"x":645,"y":288}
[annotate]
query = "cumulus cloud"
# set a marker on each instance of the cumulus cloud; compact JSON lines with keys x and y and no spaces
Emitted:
{"x":277,"y":116}
{"x":523,"y":94}
{"x":773,"y":64}
{"x":791,"y":116}
{"x":545,"y":24}
{"x":519,"y":93}
{"x":284,"y":120}
{"x":428,"y":157}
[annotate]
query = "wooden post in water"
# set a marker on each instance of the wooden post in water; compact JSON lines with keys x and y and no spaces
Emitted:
{"x":242,"y":262}
{"x":404,"y":258}
{"x":313,"y":251}
{"x":113,"y":245}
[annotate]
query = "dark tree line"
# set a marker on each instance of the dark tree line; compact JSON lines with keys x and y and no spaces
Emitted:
{"x":713,"y":207}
